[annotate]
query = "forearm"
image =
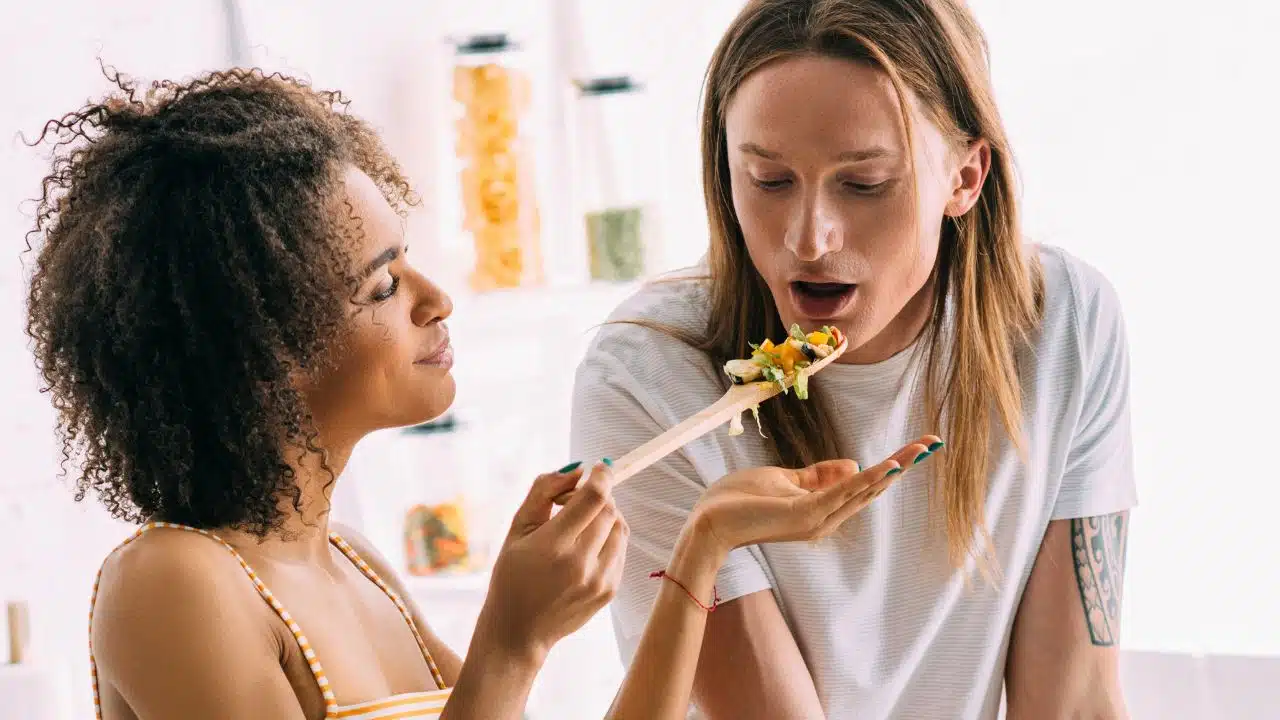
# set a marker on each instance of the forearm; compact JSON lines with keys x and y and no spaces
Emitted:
{"x":1097,"y":704}
{"x":1063,"y":657}
{"x":494,"y":681}
{"x":1071,"y":685}
{"x":660,"y":680}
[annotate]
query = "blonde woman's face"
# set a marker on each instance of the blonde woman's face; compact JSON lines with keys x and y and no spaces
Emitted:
{"x":841,"y":216}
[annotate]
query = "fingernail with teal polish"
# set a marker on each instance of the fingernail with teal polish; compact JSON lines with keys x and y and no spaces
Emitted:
{"x":607,"y":461}
{"x":922,"y":457}
{"x":935,"y":447}
{"x":894,"y":471}
{"x":570,"y":467}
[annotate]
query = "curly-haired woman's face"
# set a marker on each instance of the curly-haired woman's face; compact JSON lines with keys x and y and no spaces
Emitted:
{"x":394,"y":368}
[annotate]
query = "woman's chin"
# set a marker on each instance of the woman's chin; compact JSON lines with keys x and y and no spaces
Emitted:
{"x":435,"y":405}
{"x":431,"y":404}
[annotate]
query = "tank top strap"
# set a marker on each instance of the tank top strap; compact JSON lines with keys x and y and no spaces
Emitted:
{"x":330,"y":702}
{"x":369,"y":572}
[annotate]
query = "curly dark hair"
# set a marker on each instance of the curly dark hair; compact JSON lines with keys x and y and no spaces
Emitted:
{"x":189,"y":264}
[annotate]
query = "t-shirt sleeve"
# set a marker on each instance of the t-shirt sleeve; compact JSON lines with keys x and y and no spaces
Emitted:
{"x":608,"y":420}
{"x":1098,"y":477}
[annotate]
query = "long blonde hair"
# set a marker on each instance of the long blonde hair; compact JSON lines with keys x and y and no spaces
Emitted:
{"x":935,"y":51}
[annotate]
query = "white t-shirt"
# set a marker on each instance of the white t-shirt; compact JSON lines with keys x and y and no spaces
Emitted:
{"x":886,"y":627}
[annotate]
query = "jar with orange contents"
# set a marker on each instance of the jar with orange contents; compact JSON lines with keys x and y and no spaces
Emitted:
{"x":496,"y":156}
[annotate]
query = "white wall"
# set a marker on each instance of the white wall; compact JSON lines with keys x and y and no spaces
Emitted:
{"x":47,"y":67}
{"x":1145,"y":133}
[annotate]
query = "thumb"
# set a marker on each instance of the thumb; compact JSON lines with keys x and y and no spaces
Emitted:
{"x":537,"y":505}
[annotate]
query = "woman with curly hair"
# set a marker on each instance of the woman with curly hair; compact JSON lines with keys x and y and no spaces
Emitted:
{"x":222,"y":307}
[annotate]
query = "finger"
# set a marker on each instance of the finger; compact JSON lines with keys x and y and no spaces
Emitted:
{"x":615,"y":543}
{"x":536,"y":508}
{"x":613,"y":555}
{"x":564,"y":497}
{"x":610,"y":565}
{"x":918,"y":451}
{"x":592,"y":539}
{"x":856,"y":504}
{"x":587,"y":501}
{"x":876,"y":481}
{"x":824,"y":503}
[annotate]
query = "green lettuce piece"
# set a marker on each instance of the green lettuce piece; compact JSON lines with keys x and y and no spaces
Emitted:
{"x":774,"y":374}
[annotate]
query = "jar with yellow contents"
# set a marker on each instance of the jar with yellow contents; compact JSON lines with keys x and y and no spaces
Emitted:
{"x":495,"y":153}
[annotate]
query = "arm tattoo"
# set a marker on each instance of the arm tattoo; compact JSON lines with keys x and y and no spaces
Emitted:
{"x":1098,"y":549}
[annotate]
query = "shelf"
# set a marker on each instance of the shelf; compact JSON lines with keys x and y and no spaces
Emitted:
{"x":448,"y":587}
{"x":536,"y":301}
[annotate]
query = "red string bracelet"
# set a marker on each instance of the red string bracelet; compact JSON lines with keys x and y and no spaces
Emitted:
{"x":709,"y":608}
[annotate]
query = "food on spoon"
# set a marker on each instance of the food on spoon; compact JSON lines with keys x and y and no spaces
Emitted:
{"x":786,"y":362}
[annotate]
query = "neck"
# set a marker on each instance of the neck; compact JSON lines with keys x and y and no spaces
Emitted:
{"x":303,"y":536}
{"x":900,"y":333}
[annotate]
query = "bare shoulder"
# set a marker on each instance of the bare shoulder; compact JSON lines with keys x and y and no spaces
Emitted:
{"x":168,"y":562}
{"x":179,"y":631}
{"x":170,"y":587}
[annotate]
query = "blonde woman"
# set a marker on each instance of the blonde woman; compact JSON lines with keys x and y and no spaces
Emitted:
{"x":857,"y":174}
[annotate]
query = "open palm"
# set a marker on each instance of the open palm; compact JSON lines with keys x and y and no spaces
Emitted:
{"x":773,"y":504}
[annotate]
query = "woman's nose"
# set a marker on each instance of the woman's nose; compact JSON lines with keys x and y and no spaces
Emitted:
{"x":432,"y":303}
{"x":814,"y":232}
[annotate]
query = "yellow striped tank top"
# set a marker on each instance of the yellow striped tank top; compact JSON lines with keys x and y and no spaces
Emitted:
{"x":406,"y":706}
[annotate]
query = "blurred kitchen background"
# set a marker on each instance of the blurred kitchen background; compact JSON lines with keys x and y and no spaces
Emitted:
{"x":1145,"y":136}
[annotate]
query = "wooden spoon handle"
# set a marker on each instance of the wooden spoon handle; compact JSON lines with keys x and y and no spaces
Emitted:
{"x":734,"y":402}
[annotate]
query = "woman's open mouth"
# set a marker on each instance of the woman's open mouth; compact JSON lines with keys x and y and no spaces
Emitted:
{"x":821,"y":300}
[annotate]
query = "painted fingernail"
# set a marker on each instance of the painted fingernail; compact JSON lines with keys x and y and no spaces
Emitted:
{"x":921,"y":457}
{"x":935,"y":447}
{"x":892,"y":472}
{"x":607,"y":461}
{"x":570,"y":467}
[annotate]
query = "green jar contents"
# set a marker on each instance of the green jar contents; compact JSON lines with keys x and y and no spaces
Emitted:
{"x":616,"y":243}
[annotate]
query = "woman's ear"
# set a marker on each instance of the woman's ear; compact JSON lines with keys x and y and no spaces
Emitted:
{"x":968,"y":176}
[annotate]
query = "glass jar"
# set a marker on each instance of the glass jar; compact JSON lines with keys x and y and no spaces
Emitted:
{"x":436,"y":539}
{"x":432,"y":484}
{"x":611,"y":154}
{"x":496,"y":157}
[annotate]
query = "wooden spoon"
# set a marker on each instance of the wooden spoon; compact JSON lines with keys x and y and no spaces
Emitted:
{"x":737,"y":400}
